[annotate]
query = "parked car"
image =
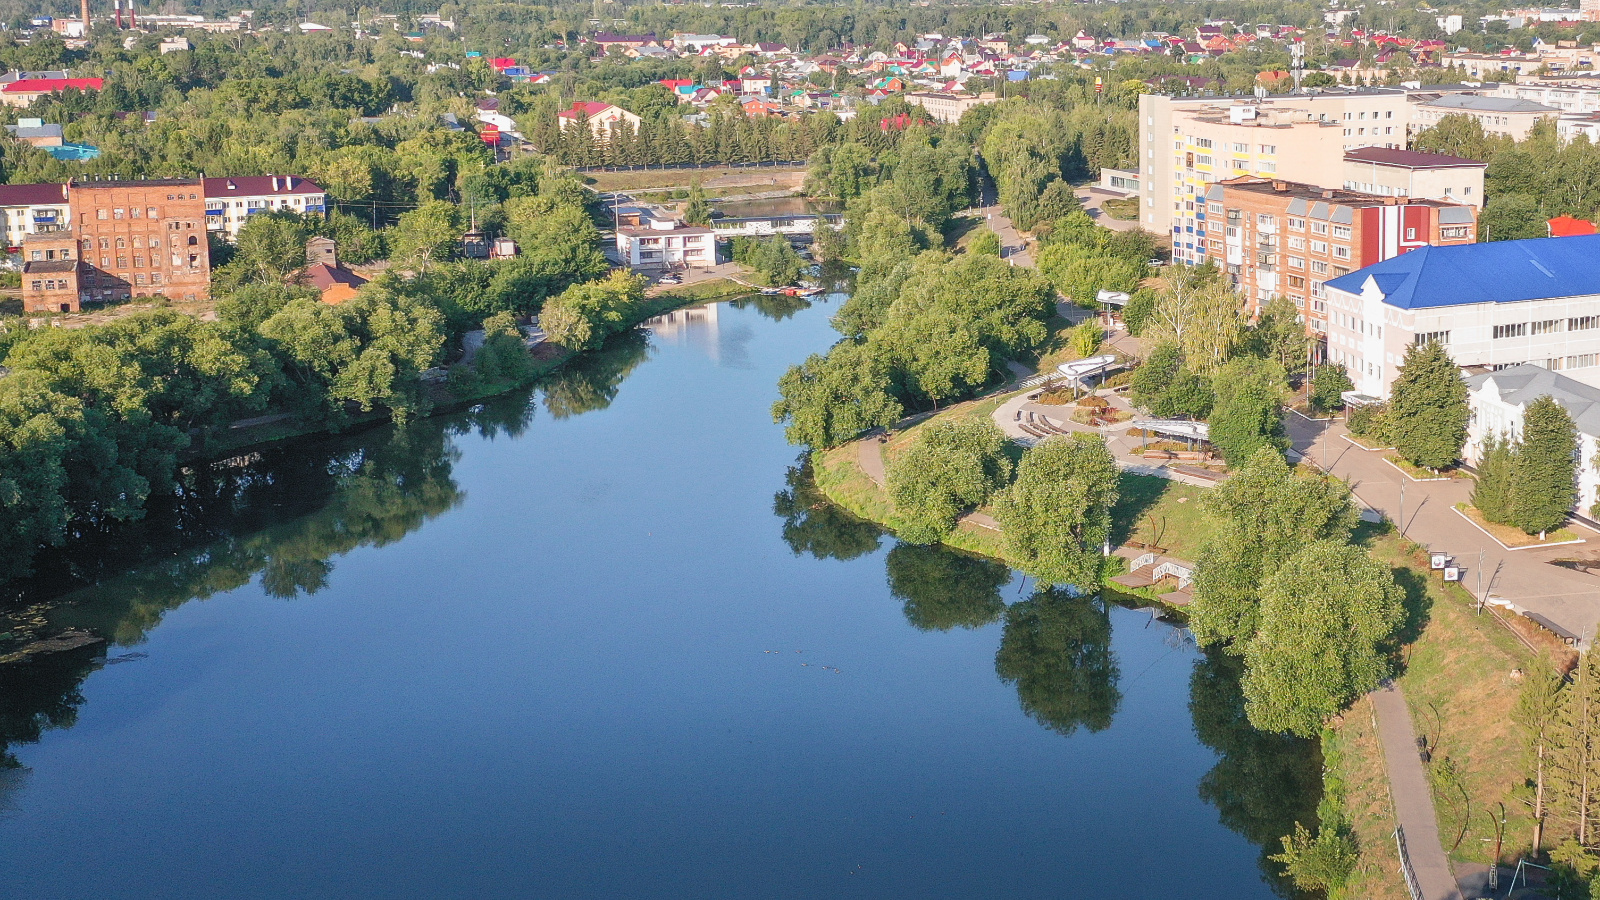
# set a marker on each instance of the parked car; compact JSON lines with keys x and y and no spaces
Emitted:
{"x":669,"y":279}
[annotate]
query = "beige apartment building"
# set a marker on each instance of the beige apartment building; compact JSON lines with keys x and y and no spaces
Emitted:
{"x":1498,"y":115}
{"x":1187,"y":143}
{"x":1390,"y":172}
{"x":950,"y":107}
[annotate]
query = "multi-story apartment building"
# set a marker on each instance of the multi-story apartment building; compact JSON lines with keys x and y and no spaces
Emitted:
{"x":1186,"y":143}
{"x":50,"y":278}
{"x":1494,"y":305}
{"x":230,"y":202}
{"x":1278,"y":237}
{"x":32,"y":209}
{"x":949,"y":107}
{"x":666,"y":243}
{"x":1407,"y":173}
{"x":1498,"y":115}
{"x":1566,"y":96}
{"x":141,"y":238}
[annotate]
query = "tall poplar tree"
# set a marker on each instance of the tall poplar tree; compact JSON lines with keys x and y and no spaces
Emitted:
{"x":1544,"y":485}
{"x":1537,"y":711}
{"x":1428,"y":407}
{"x":1574,"y":760}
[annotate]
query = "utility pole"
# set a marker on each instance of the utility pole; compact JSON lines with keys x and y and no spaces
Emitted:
{"x":1481,"y":551}
{"x":1402,"y":522}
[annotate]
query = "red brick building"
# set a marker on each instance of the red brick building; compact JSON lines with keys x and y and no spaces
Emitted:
{"x":50,"y":278}
{"x":1287,"y":238}
{"x":141,"y":238}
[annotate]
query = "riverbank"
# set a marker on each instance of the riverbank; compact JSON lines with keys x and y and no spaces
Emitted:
{"x":548,"y":358}
{"x":1461,"y":669}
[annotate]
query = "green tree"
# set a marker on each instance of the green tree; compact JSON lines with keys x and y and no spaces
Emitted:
{"x":830,"y":399}
{"x":1537,"y":711}
{"x":1428,"y":407}
{"x":944,"y":589}
{"x":1328,"y":386}
{"x":1086,"y":338}
{"x":1279,"y":335}
{"x":584,"y":315}
{"x":1141,"y":306}
{"x":503,"y":356}
{"x":1246,"y":416}
{"x":431,"y":233}
{"x":1574,"y":757}
{"x":271,"y":245}
{"x":1199,"y":312}
{"x":951,"y":467}
{"x":1544,"y":480}
{"x":1261,"y":516}
{"x":1152,"y":379}
{"x":1056,"y":516}
{"x":1492,"y":493}
{"x":1056,"y":648}
{"x":1327,"y":623}
{"x":696,"y":211}
{"x":1321,"y":863}
{"x":985,"y":242}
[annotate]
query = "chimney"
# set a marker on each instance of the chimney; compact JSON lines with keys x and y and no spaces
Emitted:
{"x":84,"y":11}
{"x":133,"y":22}
{"x":1280,"y":186}
{"x":1327,"y":195}
{"x":117,"y":5}
{"x":274,"y":184}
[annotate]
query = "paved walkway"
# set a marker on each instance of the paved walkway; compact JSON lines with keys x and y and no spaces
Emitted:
{"x":1413,"y":799}
{"x":1091,"y":197}
{"x":869,"y":455}
{"x":1523,"y":579}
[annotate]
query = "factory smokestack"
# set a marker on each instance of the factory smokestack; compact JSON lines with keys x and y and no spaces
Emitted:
{"x":117,"y":6}
{"x":84,"y":11}
{"x":133,"y":21}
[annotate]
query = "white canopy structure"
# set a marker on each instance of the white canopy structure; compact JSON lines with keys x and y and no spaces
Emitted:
{"x":1183,"y":429}
{"x":1078,"y":370}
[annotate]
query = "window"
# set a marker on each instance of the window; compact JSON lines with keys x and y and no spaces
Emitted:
{"x":1295,"y":281}
{"x":1467,"y":191}
{"x":35,"y":254}
{"x":1428,"y":337}
{"x":1266,"y":168}
{"x":155,"y":277}
{"x":138,"y":262}
{"x":1389,"y":114}
{"x":1361,"y":115}
{"x":1241,"y":148}
{"x":1296,"y":262}
{"x":1319,"y":267}
{"x":122,"y":243}
{"x":1510,"y":331}
{"x":1297,"y":224}
{"x":1341,"y":253}
{"x":1316,"y":289}
{"x":117,"y":213}
{"x":105,"y":243}
{"x":139,"y":279}
{"x":1319,"y":247}
{"x":1297,"y":243}
{"x":134,"y":213}
{"x":1241,"y":165}
{"x":100,"y":214}
{"x":1203,"y":143}
{"x":1268,"y":148}
{"x":155,"y":242}
{"x":1447,"y":192}
{"x":138,"y":241}
{"x":1341,"y":232}
{"x":1216,"y":208}
{"x":1548,"y":326}
{"x":151,"y":213}
{"x":38,"y":285}
{"x":1202,"y":160}
{"x":1265,"y":221}
{"x":1583,"y":323}
{"x":1319,"y":227}
{"x":1582,"y":361}
{"x":122,"y":262}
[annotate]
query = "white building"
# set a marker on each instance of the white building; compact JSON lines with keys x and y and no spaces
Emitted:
{"x":1499,"y":400}
{"x":1495,"y":305}
{"x":33,"y":209}
{"x":666,"y":242}
{"x":230,"y":202}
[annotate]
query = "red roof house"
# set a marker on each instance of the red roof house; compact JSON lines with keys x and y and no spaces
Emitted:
{"x":1567,"y":226}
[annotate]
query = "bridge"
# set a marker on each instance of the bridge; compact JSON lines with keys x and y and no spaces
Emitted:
{"x":764,"y":225}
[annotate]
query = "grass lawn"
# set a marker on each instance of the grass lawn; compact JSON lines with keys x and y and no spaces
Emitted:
{"x":715,"y":181}
{"x":1459,"y":683}
{"x":1126,"y":209}
{"x":1417,"y":473}
{"x":1515,"y":537}
{"x":1156,"y":511}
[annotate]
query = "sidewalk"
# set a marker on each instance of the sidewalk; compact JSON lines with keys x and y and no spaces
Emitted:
{"x":1124,"y":448}
{"x":1413,"y":799}
{"x":1525,"y":578}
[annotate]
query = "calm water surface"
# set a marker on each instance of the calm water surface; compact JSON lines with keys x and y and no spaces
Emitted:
{"x":606,"y":641}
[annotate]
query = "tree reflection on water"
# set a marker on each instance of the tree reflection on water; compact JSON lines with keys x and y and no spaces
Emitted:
{"x":1056,"y":648}
{"x":945,"y":589}
{"x":814,"y":525}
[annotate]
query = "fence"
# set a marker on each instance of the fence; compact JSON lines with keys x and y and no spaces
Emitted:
{"x":1405,"y":864}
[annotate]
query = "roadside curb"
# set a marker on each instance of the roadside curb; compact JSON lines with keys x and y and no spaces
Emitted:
{"x":1508,"y":547}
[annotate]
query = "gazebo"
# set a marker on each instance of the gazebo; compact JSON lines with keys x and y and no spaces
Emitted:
{"x":1182,"y":429}
{"x":1079,"y":371}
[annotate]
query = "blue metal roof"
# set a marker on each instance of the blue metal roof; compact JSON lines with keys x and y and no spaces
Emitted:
{"x":1499,"y":272}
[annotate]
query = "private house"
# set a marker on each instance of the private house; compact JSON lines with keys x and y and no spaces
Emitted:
{"x":666,"y":243}
{"x":230,"y":202}
{"x":1494,"y":305}
{"x":603,"y":118}
{"x":608,"y":42}
{"x":1499,"y":400}
{"x":36,"y":133}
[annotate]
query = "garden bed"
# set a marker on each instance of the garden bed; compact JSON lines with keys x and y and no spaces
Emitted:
{"x":1416,"y":473}
{"x":1365,"y":443}
{"x":1514,"y":538}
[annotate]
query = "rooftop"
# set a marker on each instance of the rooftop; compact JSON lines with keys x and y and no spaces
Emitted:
{"x":1316,"y":194}
{"x":49,"y":266}
{"x":1409,"y":159}
{"x":1521,"y":385}
{"x":1498,"y":272}
{"x":32,"y":194}
{"x":253,"y":185}
{"x":1489,"y":104}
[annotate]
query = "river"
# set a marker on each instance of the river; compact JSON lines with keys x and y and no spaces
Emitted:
{"x":603,"y":639}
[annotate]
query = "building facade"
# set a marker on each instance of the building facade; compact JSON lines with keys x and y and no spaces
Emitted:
{"x":949,"y":107}
{"x":141,"y":238}
{"x":603,"y":118}
{"x":1407,"y":173}
{"x":1494,"y":305}
{"x":1279,"y":237}
{"x":1187,"y":143}
{"x":664,"y":243}
{"x":230,"y":202}
{"x":1498,"y":115}
{"x":32,"y":209}
{"x":50,"y":276}
{"x":1499,"y":400}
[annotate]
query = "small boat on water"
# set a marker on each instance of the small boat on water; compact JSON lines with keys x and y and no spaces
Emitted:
{"x":771,"y":291}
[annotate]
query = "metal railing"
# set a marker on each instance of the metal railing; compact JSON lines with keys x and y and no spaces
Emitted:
{"x":1405,"y":864}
